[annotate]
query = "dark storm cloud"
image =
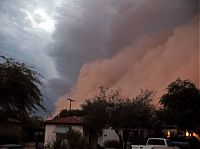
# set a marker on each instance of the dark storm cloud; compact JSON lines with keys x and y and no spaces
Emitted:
{"x":149,"y":16}
{"x":85,"y":31}
{"x":81,"y":36}
{"x":19,"y":40}
{"x":88,"y":30}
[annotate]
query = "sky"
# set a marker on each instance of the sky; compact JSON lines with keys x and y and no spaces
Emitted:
{"x":80,"y":45}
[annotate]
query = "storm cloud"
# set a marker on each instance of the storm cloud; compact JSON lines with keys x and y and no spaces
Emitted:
{"x":24,"y":42}
{"x":91,"y":34}
{"x":79,"y":45}
{"x":160,"y":59}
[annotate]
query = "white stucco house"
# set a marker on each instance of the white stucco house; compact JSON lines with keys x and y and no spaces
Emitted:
{"x":61,"y":125}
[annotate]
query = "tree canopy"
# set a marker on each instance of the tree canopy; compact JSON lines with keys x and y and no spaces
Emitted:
{"x":20,"y":93}
{"x":181,"y":104}
{"x":73,"y":112}
{"x":95,"y":111}
{"x":109,"y":109}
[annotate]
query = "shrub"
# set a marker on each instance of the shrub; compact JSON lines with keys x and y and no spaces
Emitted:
{"x":71,"y":140}
{"x":112,"y":144}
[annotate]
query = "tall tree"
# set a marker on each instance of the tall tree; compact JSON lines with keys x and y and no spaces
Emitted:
{"x":20,"y":86}
{"x":73,"y":112}
{"x":95,"y":111}
{"x":126,"y":113}
{"x":181,"y":103}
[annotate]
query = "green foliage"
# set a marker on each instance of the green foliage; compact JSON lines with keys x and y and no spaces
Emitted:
{"x":109,"y":109}
{"x":111,"y":144}
{"x":66,"y":113}
{"x":59,"y":145}
{"x":181,"y":104}
{"x":35,"y":121}
{"x":75,"y":140}
{"x":132,"y":113}
{"x":20,"y":93}
{"x":95,"y":111}
{"x":30,"y":126}
{"x":72,"y":140}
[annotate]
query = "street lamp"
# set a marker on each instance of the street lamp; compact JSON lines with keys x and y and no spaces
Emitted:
{"x":70,"y":106}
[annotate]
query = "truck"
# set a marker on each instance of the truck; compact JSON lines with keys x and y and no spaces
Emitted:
{"x":155,"y":143}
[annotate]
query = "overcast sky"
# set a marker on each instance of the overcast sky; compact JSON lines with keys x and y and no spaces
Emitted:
{"x":80,"y":45}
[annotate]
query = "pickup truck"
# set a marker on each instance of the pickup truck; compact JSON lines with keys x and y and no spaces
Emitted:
{"x":155,"y":143}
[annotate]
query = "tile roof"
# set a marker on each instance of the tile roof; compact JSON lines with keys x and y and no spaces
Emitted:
{"x":70,"y":120}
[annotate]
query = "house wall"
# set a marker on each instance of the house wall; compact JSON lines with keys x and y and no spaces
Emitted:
{"x":107,"y":134}
{"x":170,"y":132}
{"x":50,"y":136}
{"x":135,"y":134}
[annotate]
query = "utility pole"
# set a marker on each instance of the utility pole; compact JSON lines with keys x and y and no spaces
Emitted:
{"x":70,"y":105}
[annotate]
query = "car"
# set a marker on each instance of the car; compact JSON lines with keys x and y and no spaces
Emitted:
{"x":155,"y":143}
{"x":185,"y":142}
{"x":12,"y":146}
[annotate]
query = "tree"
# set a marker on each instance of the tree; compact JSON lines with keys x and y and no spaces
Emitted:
{"x":73,"y":139}
{"x":95,"y":111}
{"x":20,"y":93}
{"x":181,"y":103}
{"x":73,"y":112}
{"x":127,"y":113}
{"x":110,"y":109}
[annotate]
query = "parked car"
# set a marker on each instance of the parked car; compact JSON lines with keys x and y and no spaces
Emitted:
{"x":12,"y":146}
{"x":155,"y":143}
{"x":185,"y":142}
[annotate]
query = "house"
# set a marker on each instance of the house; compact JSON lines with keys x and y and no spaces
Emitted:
{"x":170,"y":131}
{"x":59,"y":126}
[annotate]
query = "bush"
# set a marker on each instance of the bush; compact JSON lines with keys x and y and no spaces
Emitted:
{"x":112,"y":144}
{"x":59,"y":144}
{"x":71,"y":140}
